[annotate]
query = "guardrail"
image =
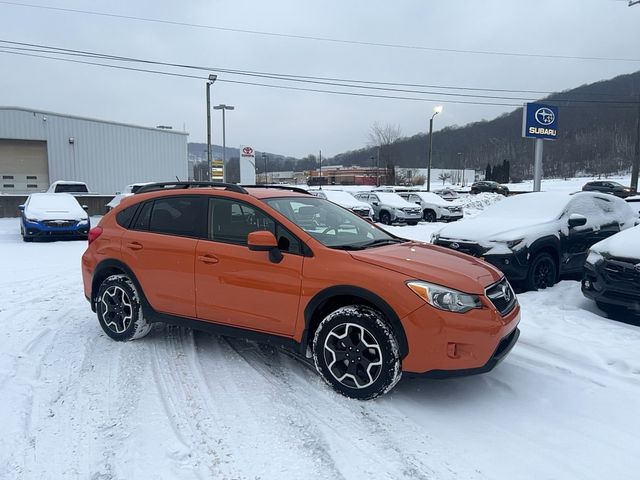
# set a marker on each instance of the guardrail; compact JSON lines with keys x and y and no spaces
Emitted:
{"x":96,"y":203}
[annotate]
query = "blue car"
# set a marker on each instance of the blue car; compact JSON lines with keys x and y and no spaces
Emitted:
{"x":53,"y":216}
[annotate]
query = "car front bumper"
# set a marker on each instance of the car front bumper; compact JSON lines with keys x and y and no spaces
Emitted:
{"x":602,"y":285}
{"x":445,"y":344}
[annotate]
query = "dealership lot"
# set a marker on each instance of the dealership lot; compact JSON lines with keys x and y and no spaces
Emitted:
{"x":180,"y":404}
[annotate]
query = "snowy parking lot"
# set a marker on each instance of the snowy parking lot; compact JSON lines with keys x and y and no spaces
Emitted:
{"x":181,"y":404}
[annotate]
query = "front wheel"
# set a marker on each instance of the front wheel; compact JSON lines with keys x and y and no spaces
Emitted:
{"x":385,"y":218}
{"x":429,"y":216}
{"x":119,"y":310}
{"x":542,"y":272}
{"x":356,"y":352}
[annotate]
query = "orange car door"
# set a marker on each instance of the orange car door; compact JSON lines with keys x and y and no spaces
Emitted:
{"x":160,"y":249}
{"x":240,"y":287}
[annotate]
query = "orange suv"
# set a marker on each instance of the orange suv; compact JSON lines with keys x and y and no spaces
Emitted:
{"x":285,"y":267}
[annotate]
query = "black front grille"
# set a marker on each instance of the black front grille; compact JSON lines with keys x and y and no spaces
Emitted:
{"x":622,"y":273}
{"x":363,"y":212}
{"x":59,"y":223}
{"x":502,"y":296}
{"x":464,"y":247}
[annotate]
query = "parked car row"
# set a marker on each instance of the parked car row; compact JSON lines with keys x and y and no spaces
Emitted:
{"x":539,"y":237}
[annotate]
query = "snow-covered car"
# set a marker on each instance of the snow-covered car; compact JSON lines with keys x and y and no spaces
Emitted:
{"x":447,"y":194}
{"x":68,"y":186}
{"x":53,"y":215}
{"x":434,"y":207}
{"x":612,"y":273}
{"x":634,"y":201}
{"x":391,"y":207}
{"x":126,"y":192}
{"x":536,"y":237}
{"x":346,"y":200}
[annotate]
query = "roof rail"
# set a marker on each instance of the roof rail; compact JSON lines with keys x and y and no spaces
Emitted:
{"x":280,"y":187}
{"x":154,"y":187}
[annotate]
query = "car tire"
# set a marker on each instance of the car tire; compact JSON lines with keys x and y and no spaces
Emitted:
{"x":542,"y":273}
{"x":429,"y":216}
{"x":119,"y":310}
{"x":474,"y":191}
{"x":356,"y":352}
{"x":385,"y":218}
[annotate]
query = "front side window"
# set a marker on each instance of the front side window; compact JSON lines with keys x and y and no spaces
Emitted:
{"x":330,"y":224}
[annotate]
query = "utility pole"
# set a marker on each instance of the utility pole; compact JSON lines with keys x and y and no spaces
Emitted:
{"x":212,"y":78}
{"x":636,"y":160}
{"x":320,"y":157}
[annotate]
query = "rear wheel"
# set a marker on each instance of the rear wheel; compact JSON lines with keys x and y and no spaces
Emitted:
{"x":119,"y":310}
{"x":429,"y":216}
{"x":385,"y":218}
{"x":542,"y":272}
{"x":356,"y":352}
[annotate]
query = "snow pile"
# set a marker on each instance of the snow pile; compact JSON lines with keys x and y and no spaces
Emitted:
{"x":474,"y":204}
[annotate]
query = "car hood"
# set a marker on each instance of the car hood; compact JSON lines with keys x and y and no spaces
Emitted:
{"x":57,"y":213}
{"x":433,"y":264}
{"x":487,"y":230}
{"x":625,"y":244}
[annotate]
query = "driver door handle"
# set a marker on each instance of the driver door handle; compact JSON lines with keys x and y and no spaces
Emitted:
{"x":208,"y":259}
{"x":134,"y":246}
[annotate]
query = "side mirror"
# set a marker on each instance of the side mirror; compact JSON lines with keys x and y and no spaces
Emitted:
{"x":264,"y":241}
{"x":85,"y":207}
{"x":375,"y":203}
{"x":21,"y":207}
{"x":576,"y":220}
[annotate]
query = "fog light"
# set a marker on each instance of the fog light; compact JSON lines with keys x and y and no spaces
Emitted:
{"x":506,"y":261}
{"x":587,"y":284}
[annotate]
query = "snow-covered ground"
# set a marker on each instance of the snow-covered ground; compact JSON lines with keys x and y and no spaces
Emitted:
{"x":180,"y":404}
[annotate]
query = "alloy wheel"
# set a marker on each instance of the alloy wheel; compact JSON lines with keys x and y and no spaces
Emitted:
{"x":353,"y":355}
{"x":117,"y":311}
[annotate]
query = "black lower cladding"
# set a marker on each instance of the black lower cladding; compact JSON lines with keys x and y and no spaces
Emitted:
{"x":614,"y":281}
{"x":504,"y":347}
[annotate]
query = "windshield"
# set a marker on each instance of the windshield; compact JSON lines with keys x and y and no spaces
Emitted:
{"x":330,"y":224}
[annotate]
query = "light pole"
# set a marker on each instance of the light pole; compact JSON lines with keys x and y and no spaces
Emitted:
{"x":264,"y":159}
{"x":224,"y":107}
{"x":460,"y":177}
{"x":436,"y":111}
{"x":212,"y":78}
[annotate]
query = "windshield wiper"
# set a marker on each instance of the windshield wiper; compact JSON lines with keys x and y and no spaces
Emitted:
{"x":348,"y":247}
{"x":383,"y":241}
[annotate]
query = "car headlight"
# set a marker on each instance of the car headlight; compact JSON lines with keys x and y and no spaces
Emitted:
{"x":399,"y":211}
{"x":33,"y":220}
{"x":435,"y":237}
{"x":445,"y":210}
{"x":511,"y":243}
{"x":83,"y":222}
{"x":594,"y":258}
{"x":445,"y":298}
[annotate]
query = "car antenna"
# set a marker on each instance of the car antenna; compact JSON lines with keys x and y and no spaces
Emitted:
{"x":177,"y":178}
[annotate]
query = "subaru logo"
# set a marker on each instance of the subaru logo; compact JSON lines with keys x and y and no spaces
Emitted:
{"x":636,"y":267}
{"x":455,"y":245}
{"x":545,"y":116}
{"x":506,"y":293}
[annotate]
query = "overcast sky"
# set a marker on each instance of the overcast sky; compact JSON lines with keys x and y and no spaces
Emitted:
{"x":298,"y":123}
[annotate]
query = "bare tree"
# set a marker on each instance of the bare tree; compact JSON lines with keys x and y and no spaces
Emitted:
{"x":382,"y":137}
{"x":444,"y":176}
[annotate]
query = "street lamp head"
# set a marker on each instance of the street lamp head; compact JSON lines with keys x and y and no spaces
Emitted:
{"x":437,"y":110}
{"x":222,"y":106}
{"x":212,"y":78}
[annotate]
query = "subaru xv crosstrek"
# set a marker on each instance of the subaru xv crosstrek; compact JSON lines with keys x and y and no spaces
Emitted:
{"x":285,"y":267}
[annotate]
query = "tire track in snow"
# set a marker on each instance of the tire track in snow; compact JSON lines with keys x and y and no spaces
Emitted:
{"x":186,"y":405}
{"x":392,"y":448}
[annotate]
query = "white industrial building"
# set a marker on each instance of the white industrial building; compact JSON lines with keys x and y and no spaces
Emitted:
{"x":37,"y":148}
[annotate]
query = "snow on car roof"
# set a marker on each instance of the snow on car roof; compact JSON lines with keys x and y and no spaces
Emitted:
{"x":52,"y":201}
{"x":535,"y":205}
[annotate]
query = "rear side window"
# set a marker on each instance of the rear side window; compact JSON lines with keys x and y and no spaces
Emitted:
{"x":124,"y":217}
{"x":183,"y":216}
{"x":142,"y":220}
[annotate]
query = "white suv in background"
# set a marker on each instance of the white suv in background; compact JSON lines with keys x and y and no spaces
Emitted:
{"x":434,"y":207}
{"x":346,"y":200}
{"x":391,"y":207}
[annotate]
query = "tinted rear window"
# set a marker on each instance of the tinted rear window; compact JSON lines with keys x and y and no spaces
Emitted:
{"x":184,"y":216}
{"x":62,"y":188}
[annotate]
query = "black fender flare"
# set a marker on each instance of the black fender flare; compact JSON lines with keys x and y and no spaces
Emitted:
{"x":113,"y":264}
{"x":352,"y":291}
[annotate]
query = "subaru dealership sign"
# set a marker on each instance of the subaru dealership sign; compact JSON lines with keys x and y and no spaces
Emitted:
{"x":540,"y":121}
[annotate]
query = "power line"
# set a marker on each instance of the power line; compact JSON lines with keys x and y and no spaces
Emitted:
{"x":317,"y":38}
{"x":288,"y":78}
